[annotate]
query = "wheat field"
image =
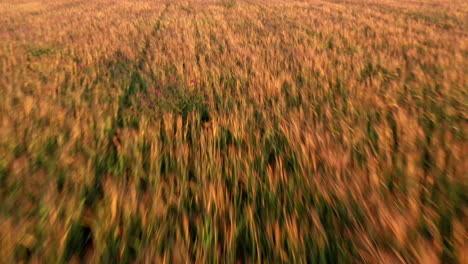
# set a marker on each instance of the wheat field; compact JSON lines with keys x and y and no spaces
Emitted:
{"x":233,"y":131}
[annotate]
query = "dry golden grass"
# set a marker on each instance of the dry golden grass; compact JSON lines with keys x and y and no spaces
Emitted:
{"x":233,"y":131}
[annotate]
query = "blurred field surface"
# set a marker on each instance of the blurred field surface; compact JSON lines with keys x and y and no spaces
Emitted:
{"x":233,"y":131}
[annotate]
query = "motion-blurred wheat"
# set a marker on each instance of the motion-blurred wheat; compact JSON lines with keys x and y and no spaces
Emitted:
{"x":233,"y":131}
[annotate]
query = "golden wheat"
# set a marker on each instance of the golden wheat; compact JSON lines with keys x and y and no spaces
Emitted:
{"x":324,"y":131}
